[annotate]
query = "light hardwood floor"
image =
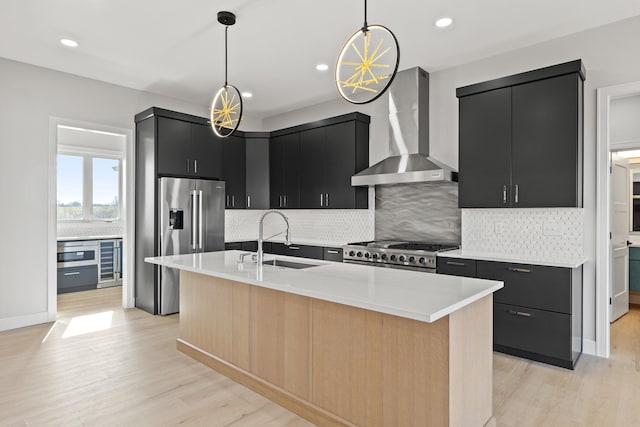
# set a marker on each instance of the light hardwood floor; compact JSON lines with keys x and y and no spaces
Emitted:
{"x":131,"y":375}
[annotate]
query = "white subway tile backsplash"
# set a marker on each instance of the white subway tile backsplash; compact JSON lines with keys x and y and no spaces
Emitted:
{"x":543,"y":234}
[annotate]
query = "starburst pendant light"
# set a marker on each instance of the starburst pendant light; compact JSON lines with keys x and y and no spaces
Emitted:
{"x":367,"y":63}
{"x":226,"y":108}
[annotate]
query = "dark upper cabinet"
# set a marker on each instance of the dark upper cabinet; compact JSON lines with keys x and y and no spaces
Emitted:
{"x":206,"y":151}
{"x":329,"y":156}
{"x":284,"y":171}
{"x":485,"y":149}
{"x":186,"y":149}
{"x":233,"y":171}
{"x":257,"y":173}
{"x":521,"y":140}
{"x":547,"y":142}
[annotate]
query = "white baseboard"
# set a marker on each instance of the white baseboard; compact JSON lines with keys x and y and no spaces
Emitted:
{"x":22,"y":321}
{"x":589,"y":347}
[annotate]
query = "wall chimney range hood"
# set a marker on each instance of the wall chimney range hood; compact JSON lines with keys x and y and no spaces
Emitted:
{"x":409,"y":159}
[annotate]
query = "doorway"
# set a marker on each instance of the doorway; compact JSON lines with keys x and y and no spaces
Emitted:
{"x":91,"y":200}
{"x":615,"y":133}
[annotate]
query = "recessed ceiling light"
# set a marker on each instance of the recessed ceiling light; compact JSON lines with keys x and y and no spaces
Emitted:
{"x":69,"y":42}
{"x":444,"y":22}
{"x":247,"y":95}
{"x":322,"y":67}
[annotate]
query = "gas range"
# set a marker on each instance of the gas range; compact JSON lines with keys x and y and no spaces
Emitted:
{"x":395,"y":254}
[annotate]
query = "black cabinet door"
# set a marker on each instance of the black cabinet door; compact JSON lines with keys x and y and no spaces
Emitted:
{"x":340,"y":161}
{"x":284,"y":173}
{"x":485,"y":149}
{"x":313,"y":168}
{"x":233,"y":164}
{"x":545,"y":145}
{"x":174,"y":147}
{"x":456,"y":266}
{"x":257,"y":173}
{"x":206,"y":152}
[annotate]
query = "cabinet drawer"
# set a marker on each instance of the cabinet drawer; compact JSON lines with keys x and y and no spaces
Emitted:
{"x":304,"y":251}
{"x":233,"y":246}
{"x":332,"y":254}
{"x":634,"y":253}
{"x":77,"y":278}
{"x":534,"y":286}
{"x":252,"y":246}
{"x":456,"y":266}
{"x":536,"y":331}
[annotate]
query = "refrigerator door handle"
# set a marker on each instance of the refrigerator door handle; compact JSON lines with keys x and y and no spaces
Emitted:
{"x":200,"y":246}
{"x":194,"y":220}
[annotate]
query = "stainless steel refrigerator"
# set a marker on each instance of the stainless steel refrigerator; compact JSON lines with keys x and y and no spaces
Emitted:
{"x":190,"y":219}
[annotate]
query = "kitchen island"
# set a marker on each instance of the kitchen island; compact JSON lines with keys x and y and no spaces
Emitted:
{"x":342,"y":344}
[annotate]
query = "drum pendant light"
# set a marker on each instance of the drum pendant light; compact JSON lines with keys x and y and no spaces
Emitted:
{"x":367,"y":63}
{"x":226,"y":108}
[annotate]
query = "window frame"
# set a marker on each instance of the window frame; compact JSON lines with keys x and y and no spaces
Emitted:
{"x":88,"y":154}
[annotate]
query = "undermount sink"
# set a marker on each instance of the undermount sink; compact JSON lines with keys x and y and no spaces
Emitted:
{"x":290,"y":264}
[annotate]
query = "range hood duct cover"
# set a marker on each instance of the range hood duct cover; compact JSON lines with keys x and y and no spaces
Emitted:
{"x":409,"y":159}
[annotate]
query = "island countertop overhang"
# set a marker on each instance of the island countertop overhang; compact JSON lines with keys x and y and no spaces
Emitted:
{"x":414,"y":295}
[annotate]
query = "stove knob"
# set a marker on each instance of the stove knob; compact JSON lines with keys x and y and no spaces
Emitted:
{"x":422,"y":260}
{"x":351,"y":253}
{"x":375,"y":256}
{"x":366,"y":255}
{"x":359,"y":254}
{"x":383,"y":257}
{"x":393,"y":257}
{"x":401,"y":258}
{"x":412,"y":259}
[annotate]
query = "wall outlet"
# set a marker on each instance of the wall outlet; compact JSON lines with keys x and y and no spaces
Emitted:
{"x":552,"y":228}
{"x":498,"y":227}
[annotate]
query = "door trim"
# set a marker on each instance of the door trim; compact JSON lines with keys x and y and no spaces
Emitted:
{"x":128,"y":206}
{"x":603,"y":220}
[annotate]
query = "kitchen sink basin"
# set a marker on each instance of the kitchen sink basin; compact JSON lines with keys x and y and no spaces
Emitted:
{"x":290,"y":264}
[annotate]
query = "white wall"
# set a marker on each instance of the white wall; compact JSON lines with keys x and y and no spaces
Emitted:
{"x":30,"y":96}
{"x":624,"y":115}
{"x":610,"y":57}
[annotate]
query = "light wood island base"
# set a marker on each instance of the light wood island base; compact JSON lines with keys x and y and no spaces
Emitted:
{"x":338,"y":365}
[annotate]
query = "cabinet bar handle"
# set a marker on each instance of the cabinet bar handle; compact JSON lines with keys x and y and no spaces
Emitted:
{"x":227,"y":201}
{"x":75,"y":273}
{"x":321,"y":199}
{"x":285,"y":200}
{"x":279,"y":201}
{"x":519,"y":313}
{"x":457,"y":264}
{"x":294,"y":248}
{"x":195,"y":166}
{"x":248,"y":201}
{"x":233,"y":201}
{"x":326,"y":199}
{"x":516,"y":195}
{"x":519,"y":270}
{"x":188,"y":165}
{"x":333,"y":252}
{"x":504,"y":194}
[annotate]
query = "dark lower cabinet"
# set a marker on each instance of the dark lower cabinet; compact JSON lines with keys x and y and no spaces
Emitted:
{"x":456,"y":266}
{"x":276,"y":248}
{"x":537,"y":314}
{"x":303,"y":251}
{"x":72,"y":279}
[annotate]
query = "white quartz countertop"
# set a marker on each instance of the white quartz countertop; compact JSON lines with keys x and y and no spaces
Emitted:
{"x":416,"y":295}
{"x":78,"y":238}
{"x":560,"y":262}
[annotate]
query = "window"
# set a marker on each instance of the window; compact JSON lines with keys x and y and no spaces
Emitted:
{"x":89,"y":186}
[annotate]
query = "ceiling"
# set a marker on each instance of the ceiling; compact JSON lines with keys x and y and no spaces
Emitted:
{"x":176,"y":48}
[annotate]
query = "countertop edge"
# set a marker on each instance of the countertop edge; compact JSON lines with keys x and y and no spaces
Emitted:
{"x":569,"y":263}
{"x":395,"y":311}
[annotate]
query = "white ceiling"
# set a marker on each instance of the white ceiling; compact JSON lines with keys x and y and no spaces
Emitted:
{"x":176,"y":48}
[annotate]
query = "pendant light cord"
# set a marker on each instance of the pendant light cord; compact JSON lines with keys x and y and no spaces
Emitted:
{"x":226,"y":29}
{"x":365,"y":27}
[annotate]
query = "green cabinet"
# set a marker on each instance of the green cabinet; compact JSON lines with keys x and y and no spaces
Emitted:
{"x":634,"y":269}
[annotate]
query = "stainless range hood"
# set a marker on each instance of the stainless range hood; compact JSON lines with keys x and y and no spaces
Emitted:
{"x":409,"y":159}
